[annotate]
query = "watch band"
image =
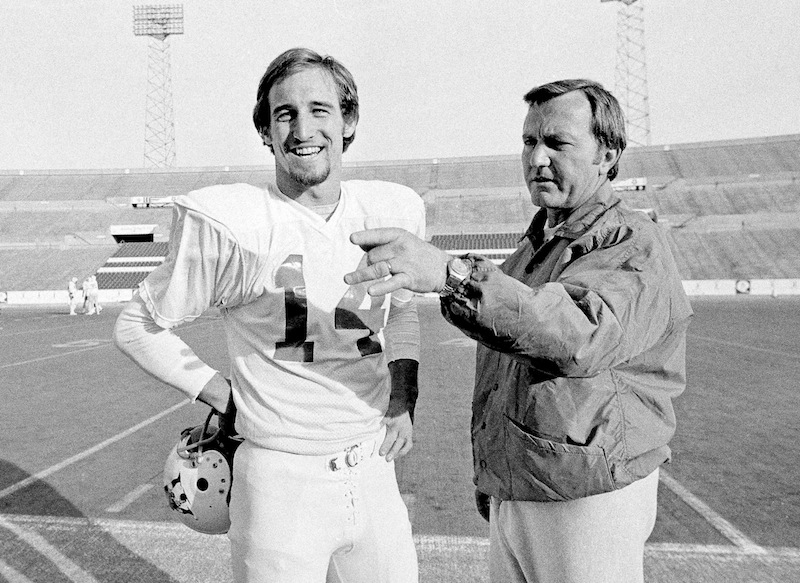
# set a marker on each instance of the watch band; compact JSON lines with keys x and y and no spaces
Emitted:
{"x":458,"y":271}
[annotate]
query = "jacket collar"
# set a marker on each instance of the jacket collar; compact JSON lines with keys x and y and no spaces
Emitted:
{"x":579,"y":221}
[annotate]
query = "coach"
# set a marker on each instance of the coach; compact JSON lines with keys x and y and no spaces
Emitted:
{"x":581,"y":349}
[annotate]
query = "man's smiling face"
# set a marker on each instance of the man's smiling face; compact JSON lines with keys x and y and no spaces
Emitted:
{"x":306,"y":130}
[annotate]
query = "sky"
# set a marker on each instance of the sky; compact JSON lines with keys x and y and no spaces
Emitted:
{"x":436,"y":79}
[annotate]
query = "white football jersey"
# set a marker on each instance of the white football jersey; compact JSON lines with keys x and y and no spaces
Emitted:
{"x":307,"y":351}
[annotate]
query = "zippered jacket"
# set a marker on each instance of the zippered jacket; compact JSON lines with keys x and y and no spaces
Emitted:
{"x":581,"y":350}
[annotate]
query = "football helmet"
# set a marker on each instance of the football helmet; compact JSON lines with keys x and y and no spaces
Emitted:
{"x":198,"y":474}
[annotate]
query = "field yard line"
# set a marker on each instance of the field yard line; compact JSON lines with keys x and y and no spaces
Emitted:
{"x":12,"y":574}
{"x":429,"y":542}
{"x":103,"y":344}
{"x":86,"y":453}
{"x":70,"y":570}
{"x":725,"y":528}
{"x":51,"y":356}
{"x":680,"y":549}
{"x":129,"y":498}
{"x":747,"y":347}
{"x":43,"y":330}
{"x":450,"y":543}
{"x":109,"y":524}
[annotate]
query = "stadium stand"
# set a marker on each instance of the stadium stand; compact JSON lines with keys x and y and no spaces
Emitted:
{"x":744,"y":254}
{"x":704,"y":160}
{"x":477,"y":241}
{"x":730,"y":210}
{"x":130,"y":265}
{"x":735,"y":195}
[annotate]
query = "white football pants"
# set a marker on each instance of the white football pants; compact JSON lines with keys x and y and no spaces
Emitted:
{"x":296,"y":519}
{"x":599,"y":538}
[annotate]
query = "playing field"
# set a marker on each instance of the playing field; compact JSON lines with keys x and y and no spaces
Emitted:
{"x":84,"y":434}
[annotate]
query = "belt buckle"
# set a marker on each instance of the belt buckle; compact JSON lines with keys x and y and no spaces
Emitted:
{"x":352,"y":457}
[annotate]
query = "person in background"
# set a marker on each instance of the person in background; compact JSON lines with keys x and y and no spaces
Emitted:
{"x":323,"y":377}
{"x":90,"y":294}
{"x":74,"y":295}
{"x":581,"y":350}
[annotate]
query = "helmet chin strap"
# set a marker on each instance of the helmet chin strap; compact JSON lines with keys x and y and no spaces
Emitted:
{"x":187,"y":451}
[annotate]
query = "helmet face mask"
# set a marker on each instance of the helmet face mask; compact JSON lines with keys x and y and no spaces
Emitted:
{"x":198,"y":475}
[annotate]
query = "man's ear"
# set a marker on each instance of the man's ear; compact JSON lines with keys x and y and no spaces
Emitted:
{"x":264,"y":133}
{"x":349,"y":128}
{"x":609,"y":157}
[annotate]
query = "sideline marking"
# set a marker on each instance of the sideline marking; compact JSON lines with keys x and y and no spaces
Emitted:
{"x":129,"y":498}
{"x":724,"y":527}
{"x":64,"y":564}
{"x":86,"y":453}
{"x":12,"y":574}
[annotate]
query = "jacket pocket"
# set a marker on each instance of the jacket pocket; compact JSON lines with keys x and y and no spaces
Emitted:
{"x":544,"y":470}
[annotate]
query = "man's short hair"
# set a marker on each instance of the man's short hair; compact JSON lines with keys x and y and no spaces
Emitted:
{"x":608,"y":120}
{"x":295,"y":60}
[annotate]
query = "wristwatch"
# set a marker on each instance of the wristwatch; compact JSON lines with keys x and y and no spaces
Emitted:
{"x":458,"y":270}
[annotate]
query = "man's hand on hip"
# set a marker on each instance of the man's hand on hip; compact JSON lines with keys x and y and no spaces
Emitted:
{"x":216,"y":393}
{"x":410,"y":262}
{"x":399,"y":436}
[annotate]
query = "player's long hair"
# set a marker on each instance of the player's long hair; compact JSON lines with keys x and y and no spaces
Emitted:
{"x":608,"y":121}
{"x":298,"y":59}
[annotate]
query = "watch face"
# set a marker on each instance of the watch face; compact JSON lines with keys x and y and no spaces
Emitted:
{"x":459,"y":267}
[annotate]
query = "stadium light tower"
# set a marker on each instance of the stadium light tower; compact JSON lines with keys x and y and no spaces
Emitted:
{"x":158,"y":22}
{"x":630,"y":79}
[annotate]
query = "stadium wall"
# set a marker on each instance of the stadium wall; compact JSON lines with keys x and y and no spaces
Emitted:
{"x":707,"y":287}
{"x":730,"y":209}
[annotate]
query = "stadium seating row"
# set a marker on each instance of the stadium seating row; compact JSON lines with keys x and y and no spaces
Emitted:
{"x":762,"y":156}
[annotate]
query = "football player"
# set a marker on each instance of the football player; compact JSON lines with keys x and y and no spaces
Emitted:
{"x":74,"y":295}
{"x":323,"y":376}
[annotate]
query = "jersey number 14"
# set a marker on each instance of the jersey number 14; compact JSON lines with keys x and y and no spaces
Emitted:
{"x":348,"y":315}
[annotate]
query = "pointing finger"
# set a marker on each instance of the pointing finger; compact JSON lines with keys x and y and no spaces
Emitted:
{"x":368,"y":273}
{"x":375,"y":237}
